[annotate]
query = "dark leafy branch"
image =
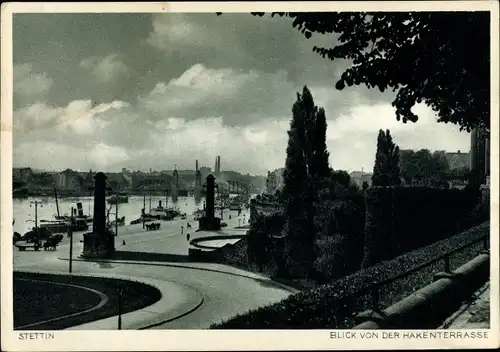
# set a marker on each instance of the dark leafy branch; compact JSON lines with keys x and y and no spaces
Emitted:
{"x":439,"y":58}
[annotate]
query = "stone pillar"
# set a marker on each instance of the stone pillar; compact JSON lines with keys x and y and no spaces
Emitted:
{"x":210,"y":197}
{"x":99,"y":224}
{"x":209,"y":222}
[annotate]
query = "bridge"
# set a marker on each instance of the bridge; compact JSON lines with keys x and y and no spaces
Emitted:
{"x":234,"y":187}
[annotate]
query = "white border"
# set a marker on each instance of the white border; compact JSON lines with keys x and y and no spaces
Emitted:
{"x":156,"y":340}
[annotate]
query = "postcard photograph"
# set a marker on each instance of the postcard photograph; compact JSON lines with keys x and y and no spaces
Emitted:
{"x":178,"y":170}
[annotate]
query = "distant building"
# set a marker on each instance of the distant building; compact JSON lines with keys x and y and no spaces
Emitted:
{"x":359,"y":177}
{"x":68,"y":179}
{"x":274,"y":180}
{"x":23,"y":174}
{"x":458,"y":160}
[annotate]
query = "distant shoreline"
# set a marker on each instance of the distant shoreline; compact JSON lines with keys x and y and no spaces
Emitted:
{"x":70,"y":194}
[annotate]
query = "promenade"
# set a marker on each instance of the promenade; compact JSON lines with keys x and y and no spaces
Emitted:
{"x":209,"y":292}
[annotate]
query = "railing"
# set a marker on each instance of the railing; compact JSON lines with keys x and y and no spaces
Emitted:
{"x":379,"y":295}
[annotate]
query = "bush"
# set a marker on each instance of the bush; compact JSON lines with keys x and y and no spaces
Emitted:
{"x":340,"y":222}
{"x":260,"y":246}
{"x":400,"y":219}
{"x":334,"y":306}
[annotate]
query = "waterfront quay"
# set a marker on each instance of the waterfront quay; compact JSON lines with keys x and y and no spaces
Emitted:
{"x":160,"y":256}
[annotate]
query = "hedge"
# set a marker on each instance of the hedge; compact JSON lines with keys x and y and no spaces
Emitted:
{"x":334,"y":306}
{"x":400,"y":219}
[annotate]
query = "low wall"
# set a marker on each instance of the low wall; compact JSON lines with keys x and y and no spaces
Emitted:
{"x":335,"y":305}
{"x":228,"y":254}
{"x":429,"y":306}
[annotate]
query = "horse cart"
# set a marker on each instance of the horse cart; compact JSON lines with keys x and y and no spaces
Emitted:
{"x":32,"y":245}
{"x":49,"y":244}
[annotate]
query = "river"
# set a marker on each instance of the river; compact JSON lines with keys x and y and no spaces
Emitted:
{"x":24,"y":209}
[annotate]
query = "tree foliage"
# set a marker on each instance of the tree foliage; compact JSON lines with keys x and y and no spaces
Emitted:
{"x":423,"y":167}
{"x":386,"y":170}
{"x":424,"y":56}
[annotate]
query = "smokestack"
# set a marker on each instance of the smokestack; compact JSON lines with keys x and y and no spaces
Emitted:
{"x":80,"y":209}
{"x":218,"y":164}
{"x":196,"y":165}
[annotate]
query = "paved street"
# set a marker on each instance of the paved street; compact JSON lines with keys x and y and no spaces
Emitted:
{"x":226,"y":290}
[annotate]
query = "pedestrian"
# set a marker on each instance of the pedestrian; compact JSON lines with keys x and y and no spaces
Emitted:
{"x":188,"y":236}
{"x":124,"y":242}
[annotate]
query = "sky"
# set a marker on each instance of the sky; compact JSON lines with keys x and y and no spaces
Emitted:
{"x":140,"y":91}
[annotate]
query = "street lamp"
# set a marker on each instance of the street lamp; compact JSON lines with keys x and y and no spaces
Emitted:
{"x":120,"y":294}
{"x":70,"y":235}
{"x":36,"y":203}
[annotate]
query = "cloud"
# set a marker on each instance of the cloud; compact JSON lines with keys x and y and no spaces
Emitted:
{"x":80,"y":117}
{"x":239,"y":97}
{"x":52,"y":155}
{"x":130,"y":141}
{"x":352,"y":138}
{"x":165,"y":89}
{"x":176,"y":31}
{"x":28,"y":85}
{"x":105,"y":68}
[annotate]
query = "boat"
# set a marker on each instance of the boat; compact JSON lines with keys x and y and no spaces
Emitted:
{"x":162,"y":213}
{"x":61,"y":226}
{"x":118,"y":199}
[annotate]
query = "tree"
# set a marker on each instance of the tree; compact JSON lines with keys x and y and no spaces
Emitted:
{"x":423,"y":167}
{"x":300,"y":239}
{"x":386,"y":170}
{"x":421,"y":55}
{"x":314,"y":139}
{"x":305,"y":168}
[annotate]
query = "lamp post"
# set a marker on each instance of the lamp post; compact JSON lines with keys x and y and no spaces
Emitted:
{"x":144,"y":212}
{"x":120,"y":294}
{"x":70,"y":235}
{"x":116,"y":219}
{"x":36,"y":203}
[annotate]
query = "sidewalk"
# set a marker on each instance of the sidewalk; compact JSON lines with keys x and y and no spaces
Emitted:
{"x":177,"y":301}
{"x":474,"y":314}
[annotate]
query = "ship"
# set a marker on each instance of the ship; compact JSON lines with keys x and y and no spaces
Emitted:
{"x":162,"y":213}
{"x":61,"y":226}
{"x":118,"y":199}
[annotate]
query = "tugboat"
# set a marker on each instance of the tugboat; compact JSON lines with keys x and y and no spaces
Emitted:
{"x":162,"y":213}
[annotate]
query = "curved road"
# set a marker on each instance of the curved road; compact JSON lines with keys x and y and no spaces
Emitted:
{"x":227,"y":291}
